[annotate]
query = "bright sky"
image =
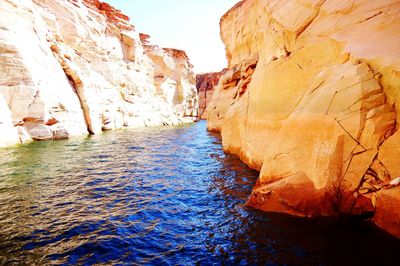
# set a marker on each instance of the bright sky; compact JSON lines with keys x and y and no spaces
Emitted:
{"x":190,"y":25}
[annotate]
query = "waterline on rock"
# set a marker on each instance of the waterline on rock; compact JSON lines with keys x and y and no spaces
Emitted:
{"x":157,"y":195}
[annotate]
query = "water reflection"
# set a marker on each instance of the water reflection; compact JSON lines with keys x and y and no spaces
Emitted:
{"x":157,"y":196}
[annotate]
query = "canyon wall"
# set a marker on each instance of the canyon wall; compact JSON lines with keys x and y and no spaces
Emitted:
{"x":205,"y":84}
{"x":73,"y":67}
{"x":311,"y":101}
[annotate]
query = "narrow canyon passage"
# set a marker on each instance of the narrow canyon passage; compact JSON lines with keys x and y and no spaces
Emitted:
{"x":305,"y":92}
{"x":158,"y":196}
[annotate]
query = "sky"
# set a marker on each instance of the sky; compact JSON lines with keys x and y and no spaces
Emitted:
{"x":189,"y":25}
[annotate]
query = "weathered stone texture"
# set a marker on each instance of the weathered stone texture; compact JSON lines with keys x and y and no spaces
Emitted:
{"x":80,"y":63}
{"x":311,"y":101}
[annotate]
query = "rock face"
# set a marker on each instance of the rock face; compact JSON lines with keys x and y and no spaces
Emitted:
{"x":311,"y":101}
{"x":205,"y":84}
{"x":8,"y":134}
{"x":72,"y":67}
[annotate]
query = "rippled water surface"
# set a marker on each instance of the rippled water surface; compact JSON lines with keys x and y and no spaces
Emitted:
{"x":158,"y":196}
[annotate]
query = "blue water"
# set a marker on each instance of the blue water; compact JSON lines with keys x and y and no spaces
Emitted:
{"x":159,"y":196}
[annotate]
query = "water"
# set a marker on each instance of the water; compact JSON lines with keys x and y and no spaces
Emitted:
{"x":158,"y":196}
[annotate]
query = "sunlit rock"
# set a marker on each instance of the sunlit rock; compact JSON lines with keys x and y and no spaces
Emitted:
{"x":23,"y":135}
{"x":38,"y":131}
{"x":8,"y":134}
{"x":387,"y":213}
{"x":310,"y":100}
{"x":82,"y":66}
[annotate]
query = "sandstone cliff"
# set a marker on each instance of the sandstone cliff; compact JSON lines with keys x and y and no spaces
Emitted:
{"x":311,"y":101}
{"x":72,"y":67}
{"x":205,"y":84}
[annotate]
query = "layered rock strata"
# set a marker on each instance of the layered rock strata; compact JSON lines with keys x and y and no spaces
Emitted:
{"x":311,"y":101}
{"x":205,"y":84}
{"x":72,"y":67}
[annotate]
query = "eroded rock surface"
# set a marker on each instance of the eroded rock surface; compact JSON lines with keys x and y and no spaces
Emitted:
{"x":72,"y":67}
{"x":205,"y":84}
{"x":8,"y":134}
{"x":311,"y":101}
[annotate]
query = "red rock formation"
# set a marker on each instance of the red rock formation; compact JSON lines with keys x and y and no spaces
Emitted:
{"x":311,"y":101}
{"x":144,"y":38}
{"x":113,"y":15}
{"x":205,"y":84}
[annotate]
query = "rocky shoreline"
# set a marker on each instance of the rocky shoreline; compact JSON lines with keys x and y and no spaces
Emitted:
{"x":311,"y":101}
{"x":75,"y":67}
